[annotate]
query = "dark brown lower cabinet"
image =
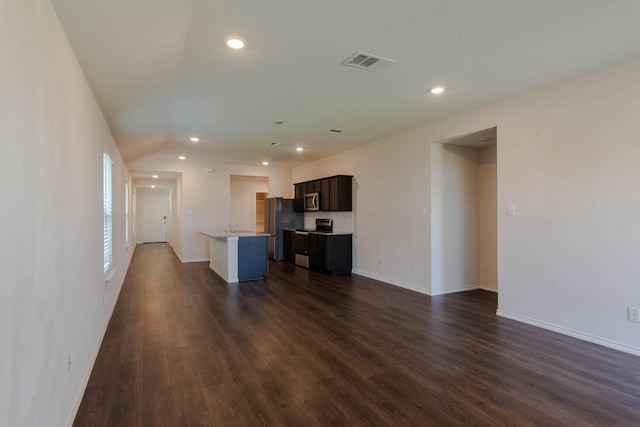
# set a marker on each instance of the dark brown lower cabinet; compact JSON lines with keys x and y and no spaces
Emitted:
{"x":331,"y":253}
{"x":288,"y":248}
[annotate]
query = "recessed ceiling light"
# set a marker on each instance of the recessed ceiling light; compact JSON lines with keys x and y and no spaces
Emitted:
{"x":182,"y":157}
{"x":299,"y":149}
{"x":278,"y":122}
{"x":154,"y":176}
{"x":265,"y":163}
{"x":437,"y":90}
{"x":153,"y":186}
{"x":336,"y":130}
{"x":235,"y":43}
{"x":194,"y":139}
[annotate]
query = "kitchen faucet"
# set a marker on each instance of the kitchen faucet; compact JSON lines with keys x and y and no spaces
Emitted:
{"x":230,"y":227}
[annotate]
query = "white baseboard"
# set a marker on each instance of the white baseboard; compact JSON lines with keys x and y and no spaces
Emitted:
{"x":87,"y":374}
{"x":185,"y":260}
{"x":454,"y":290}
{"x":177,"y":254}
{"x":555,"y":328}
{"x":390,"y":282}
{"x":423,"y":291}
{"x":570,"y":332}
{"x":194,"y":260}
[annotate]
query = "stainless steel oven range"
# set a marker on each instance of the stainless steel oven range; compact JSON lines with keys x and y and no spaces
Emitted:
{"x":301,"y":240}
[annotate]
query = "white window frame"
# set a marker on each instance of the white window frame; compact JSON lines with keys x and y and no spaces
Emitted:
{"x":126,"y":212}
{"x":107,"y":198}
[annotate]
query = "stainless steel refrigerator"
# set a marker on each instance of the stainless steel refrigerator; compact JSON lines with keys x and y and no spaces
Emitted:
{"x":279,"y":215}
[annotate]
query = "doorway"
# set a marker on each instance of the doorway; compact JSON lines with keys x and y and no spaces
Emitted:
{"x":464,"y":213}
{"x":244,"y":206}
{"x":154,"y":219}
{"x":166,"y":188}
{"x":260,"y":211}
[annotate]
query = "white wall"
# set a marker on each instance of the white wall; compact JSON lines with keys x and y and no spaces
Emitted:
{"x":487,"y":218}
{"x":207,"y":196}
{"x":176,"y":204}
{"x":568,"y":161}
{"x":54,"y":302}
{"x":570,"y":167}
{"x":391,"y":182}
{"x":463,"y":218}
{"x":454,"y":218}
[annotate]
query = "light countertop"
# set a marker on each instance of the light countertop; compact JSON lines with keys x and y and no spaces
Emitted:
{"x":333,"y":233}
{"x":231,"y":236}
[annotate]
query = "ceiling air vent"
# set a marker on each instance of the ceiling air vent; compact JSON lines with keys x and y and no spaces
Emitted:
{"x":367,"y":61}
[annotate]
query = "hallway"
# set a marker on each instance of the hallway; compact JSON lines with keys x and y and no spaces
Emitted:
{"x":183,"y":348}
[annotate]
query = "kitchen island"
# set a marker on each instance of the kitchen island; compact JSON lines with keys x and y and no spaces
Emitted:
{"x":238,"y":256}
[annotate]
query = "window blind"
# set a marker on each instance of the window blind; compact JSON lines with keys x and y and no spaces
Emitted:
{"x":107,"y":193}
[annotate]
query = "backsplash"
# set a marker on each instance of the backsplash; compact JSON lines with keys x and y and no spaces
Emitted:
{"x":342,"y":221}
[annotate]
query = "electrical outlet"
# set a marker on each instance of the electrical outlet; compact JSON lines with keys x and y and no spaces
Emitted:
{"x":69,"y":363}
{"x":380,"y":261}
{"x":633,"y":314}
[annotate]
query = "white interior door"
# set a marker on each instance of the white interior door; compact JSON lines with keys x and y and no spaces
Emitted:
{"x":154,"y":219}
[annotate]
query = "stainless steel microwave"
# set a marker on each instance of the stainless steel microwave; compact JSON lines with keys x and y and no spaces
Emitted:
{"x":312,"y":202}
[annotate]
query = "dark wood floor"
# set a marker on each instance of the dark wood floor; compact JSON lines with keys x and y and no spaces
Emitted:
{"x":302,"y":348}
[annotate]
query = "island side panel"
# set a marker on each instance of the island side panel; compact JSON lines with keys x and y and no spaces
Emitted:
{"x":224,"y":257}
{"x":252,"y":257}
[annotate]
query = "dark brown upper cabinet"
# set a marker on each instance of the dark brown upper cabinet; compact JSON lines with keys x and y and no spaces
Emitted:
{"x":335,"y":193}
{"x":340,"y":193}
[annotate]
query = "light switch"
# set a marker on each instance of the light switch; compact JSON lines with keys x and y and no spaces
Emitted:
{"x":511,"y":210}
{"x":423,"y":210}
{"x":189,"y":213}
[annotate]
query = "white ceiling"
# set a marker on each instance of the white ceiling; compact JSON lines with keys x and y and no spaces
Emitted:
{"x":161,"y":71}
